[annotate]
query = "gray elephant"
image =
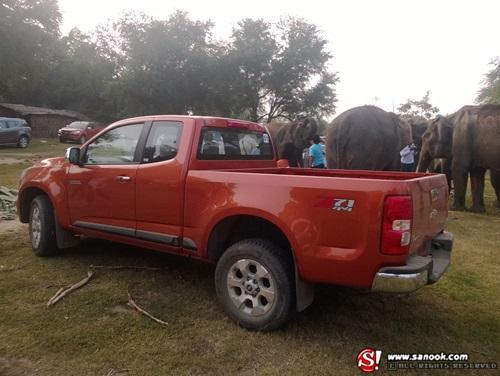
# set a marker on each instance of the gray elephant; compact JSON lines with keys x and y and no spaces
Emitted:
{"x":436,"y":156}
{"x":470,"y":139}
{"x":290,"y":139}
{"x":366,"y":138}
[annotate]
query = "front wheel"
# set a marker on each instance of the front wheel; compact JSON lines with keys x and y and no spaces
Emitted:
{"x":254,"y":280}
{"x":42,"y":227}
{"x":23,"y":142}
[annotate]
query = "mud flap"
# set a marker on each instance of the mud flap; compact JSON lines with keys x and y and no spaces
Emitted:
{"x":64,"y":238}
{"x":304,"y":292}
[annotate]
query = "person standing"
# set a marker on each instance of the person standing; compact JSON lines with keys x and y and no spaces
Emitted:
{"x":408,"y":158}
{"x":316,"y":156}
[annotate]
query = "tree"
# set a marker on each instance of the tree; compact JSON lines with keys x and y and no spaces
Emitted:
{"x":79,"y":77}
{"x":283,"y":74}
{"x":29,"y":32}
{"x":490,"y":91}
{"x":165,"y":65}
{"x":418,"y":108}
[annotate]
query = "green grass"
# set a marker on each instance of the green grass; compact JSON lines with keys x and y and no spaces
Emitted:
{"x":38,"y":147}
{"x":92,"y":331}
{"x":14,"y":160}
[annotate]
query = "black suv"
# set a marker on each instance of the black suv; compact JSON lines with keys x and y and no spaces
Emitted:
{"x":15,"y":132}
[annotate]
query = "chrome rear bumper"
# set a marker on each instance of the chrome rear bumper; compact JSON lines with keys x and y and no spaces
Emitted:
{"x":419,"y":271}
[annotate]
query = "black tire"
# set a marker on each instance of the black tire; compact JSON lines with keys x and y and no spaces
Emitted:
{"x":23,"y":142}
{"x":82,"y":140}
{"x":42,"y":227}
{"x":279,"y":267}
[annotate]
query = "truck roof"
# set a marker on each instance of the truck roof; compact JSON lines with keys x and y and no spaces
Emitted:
{"x":207,"y":121}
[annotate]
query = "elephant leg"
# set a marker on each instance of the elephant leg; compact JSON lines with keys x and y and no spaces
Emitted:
{"x":477,"y":185}
{"x":460,"y":176}
{"x":495,"y":182}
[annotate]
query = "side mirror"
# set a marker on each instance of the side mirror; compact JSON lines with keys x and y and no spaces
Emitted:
{"x":73,"y":155}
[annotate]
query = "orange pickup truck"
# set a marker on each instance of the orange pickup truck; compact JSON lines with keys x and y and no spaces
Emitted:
{"x":208,"y":188}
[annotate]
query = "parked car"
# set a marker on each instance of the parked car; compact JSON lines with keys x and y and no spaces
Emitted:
{"x":79,"y":131}
{"x":210,"y":189}
{"x":14,"y":131}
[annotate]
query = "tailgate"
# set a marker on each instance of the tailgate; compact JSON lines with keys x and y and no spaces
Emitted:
{"x":430,"y":210}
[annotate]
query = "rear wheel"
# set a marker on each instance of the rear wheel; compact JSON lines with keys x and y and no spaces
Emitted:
{"x":42,"y":227}
{"x":254,"y":281}
{"x":23,"y":142}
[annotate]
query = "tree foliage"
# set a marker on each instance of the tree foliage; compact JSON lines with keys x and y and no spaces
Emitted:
{"x":418,"y":108}
{"x":490,"y":90}
{"x":138,"y":65}
{"x":282,"y":73}
{"x":29,"y":31}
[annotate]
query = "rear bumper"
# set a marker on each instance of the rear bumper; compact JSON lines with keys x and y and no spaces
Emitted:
{"x":419,"y":271}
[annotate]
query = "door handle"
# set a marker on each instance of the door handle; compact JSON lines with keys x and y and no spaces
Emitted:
{"x":123,"y":178}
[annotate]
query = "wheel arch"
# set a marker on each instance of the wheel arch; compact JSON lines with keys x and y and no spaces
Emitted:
{"x":233,"y":228}
{"x":26,"y":196}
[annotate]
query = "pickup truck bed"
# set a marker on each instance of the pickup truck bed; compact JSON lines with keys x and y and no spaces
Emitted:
{"x":344,"y":250}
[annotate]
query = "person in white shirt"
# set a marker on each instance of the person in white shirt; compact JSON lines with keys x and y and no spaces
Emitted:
{"x":408,"y":158}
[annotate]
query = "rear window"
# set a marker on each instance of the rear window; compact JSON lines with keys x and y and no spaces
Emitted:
{"x":78,"y":124}
{"x":233,"y":144}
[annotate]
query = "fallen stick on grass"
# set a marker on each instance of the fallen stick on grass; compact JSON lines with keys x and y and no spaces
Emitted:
{"x":132,"y":304}
{"x":118,"y":267}
{"x":62,"y":292}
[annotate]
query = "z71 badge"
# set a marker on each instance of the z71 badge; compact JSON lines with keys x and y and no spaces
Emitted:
{"x":338,"y":204}
{"x":341,"y":204}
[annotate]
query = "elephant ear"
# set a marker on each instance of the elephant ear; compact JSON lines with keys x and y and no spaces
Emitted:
{"x":312,"y":125}
{"x":303,"y":131}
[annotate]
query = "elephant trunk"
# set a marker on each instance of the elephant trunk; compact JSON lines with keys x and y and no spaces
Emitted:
{"x":424,"y":162}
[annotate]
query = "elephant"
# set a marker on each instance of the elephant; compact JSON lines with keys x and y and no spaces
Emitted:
{"x":292,"y":138}
{"x":366,"y":138}
{"x":436,"y":156}
{"x":469,"y":139}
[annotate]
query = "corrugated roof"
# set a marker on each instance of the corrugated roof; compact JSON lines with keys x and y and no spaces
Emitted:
{"x":29,"y":110}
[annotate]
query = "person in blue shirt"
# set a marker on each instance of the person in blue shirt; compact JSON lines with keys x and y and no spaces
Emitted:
{"x":317,"y":158}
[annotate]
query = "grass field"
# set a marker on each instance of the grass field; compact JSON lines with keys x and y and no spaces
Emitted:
{"x":93,"y":332}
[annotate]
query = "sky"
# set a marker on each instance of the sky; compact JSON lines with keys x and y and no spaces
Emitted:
{"x":385,"y":51}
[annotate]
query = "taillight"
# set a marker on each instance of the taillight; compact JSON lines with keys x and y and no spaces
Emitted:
{"x":396,"y":225}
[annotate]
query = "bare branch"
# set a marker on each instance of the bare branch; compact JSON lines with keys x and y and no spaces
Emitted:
{"x":62,"y":292}
{"x":120,"y":267}
{"x":131,"y":303}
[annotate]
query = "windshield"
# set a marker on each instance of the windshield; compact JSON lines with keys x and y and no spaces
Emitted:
{"x":78,"y":124}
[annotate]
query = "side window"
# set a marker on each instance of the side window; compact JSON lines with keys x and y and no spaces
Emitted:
{"x":233,"y":144}
{"x":114,"y":147}
{"x":3,"y":124}
{"x":163,"y":141}
{"x":13,"y":123}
